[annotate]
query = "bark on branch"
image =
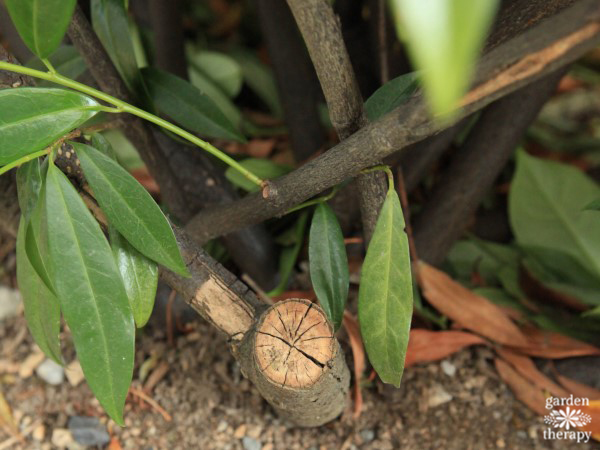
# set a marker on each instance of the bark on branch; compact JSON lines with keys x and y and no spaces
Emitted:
{"x":527,"y":57}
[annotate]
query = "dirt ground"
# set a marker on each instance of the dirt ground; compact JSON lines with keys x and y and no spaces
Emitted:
{"x":202,"y":401}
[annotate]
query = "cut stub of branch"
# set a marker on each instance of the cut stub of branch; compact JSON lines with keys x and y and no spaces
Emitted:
{"x":293,"y":358}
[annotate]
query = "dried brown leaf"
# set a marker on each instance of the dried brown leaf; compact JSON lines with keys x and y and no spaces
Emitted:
{"x":358,"y":353}
{"x":530,"y":395}
{"x":548,"y":344}
{"x":425,"y":345}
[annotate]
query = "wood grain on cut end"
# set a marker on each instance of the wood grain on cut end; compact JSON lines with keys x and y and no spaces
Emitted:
{"x":294,"y":344}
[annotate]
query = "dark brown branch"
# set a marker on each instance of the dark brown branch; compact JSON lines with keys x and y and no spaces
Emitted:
{"x":296,"y":79}
{"x":323,"y":36}
{"x":476,"y":166}
{"x":551,"y":44}
{"x":169,"y":52}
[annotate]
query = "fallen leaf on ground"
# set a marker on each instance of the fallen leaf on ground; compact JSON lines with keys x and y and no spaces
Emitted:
{"x":358,"y":353}
{"x":525,"y":366}
{"x":156,"y":375}
{"x":525,"y":391}
{"x":551,"y":345}
{"x":468,"y":309}
{"x":425,"y":345}
{"x":593,"y":410}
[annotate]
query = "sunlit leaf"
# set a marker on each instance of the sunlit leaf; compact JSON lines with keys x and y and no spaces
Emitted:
{"x":188,"y":105}
{"x":328,"y":263}
{"x":443,"y":38}
{"x":385,"y":297}
{"x":391,"y":95}
{"x":130,"y":208}
{"x":41,"y":23}
{"x":33,"y":118}
{"x":91,"y":294}
{"x":140,"y":277}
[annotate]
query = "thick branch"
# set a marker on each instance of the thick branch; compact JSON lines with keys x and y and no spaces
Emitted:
{"x":323,"y":36}
{"x":296,"y":79}
{"x":553,"y":43}
{"x":476,"y":166}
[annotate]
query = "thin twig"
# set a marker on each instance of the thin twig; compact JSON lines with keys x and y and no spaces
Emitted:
{"x":153,"y":403}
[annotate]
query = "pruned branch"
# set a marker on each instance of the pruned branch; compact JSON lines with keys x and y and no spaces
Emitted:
{"x":527,"y":57}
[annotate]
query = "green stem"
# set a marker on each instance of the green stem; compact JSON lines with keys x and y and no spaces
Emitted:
{"x":314,"y":201}
{"x":23,"y":160}
{"x":126,"y":107}
{"x":387,"y":171}
{"x":49,"y":65}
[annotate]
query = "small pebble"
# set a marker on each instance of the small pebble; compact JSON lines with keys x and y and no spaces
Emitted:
{"x":251,"y":443}
{"x":222,"y":426}
{"x":51,"y":372}
{"x":39,"y":433}
{"x":88,"y":431}
{"x":10,"y":301}
{"x":62,"y":438}
{"x":240,"y":432}
{"x":438,"y":396}
{"x":489,"y":398}
{"x":74,"y":373}
{"x":500,"y":443}
{"x":448,"y":368}
{"x":367,"y":435}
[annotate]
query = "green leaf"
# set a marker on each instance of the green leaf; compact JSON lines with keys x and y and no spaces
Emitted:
{"x":289,"y":255}
{"x":140,"y":277}
{"x":262,"y":168}
{"x":328,"y":263}
{"x":546,"y":203}
{"x":33,"y":118}
{"x":187,"y":105}
{"x":260,"y":79}
{"x":444,"y":38}
{"x":391,"y":95}
{"x":109,"y":19}
{"x":385,"y":297}
{"x":29,"y":184}
{"x":91,"y":294}
{"x":594,"y":205}
{"x":130,"y":208}
{"x":41,"y":24}
{"x":220,"y":68}
{"x":206,"y":86}
{"x":42,"y":310}
{"x":66,"y":60}
{"x":100,"y":143}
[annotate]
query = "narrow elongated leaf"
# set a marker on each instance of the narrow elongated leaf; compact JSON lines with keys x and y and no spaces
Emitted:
{"x":33,"y":118}
{"x":328,"y":263}
{"x":91,"y":294}
{"x":262,"y":168}
{"x":222,"y":69}
{"x":385,"y":297}
{"x":99,"y":142}
{"x":130,"y":208}
{"x":109,"y":19}
{"x":212,"y":91}
{"x":140,"y":277}
{"x":443,"y":38}
{"x":41,"y":24}
{"x":66,"y":60}
{"x":546,"y":209}
{"x":187,"y":105}
{"x":391,"y":95}
{"x":29,"y":183}
{"x":42,"y":310}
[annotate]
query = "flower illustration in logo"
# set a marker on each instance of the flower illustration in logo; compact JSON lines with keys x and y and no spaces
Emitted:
{"x":567,"y":418}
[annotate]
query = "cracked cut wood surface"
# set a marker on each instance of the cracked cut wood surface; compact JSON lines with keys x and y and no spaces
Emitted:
{"x":296,"y":363}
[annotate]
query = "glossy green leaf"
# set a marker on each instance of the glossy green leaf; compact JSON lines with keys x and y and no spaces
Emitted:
{"x":66,"y":60}
{"x":187,"y":105}
{"x":42,"y":309}
{"x":140,"y":277}
{"x":391,"y":95}
{"x":443,"y":38}
{"x":328,"y":263}
{"x":29,"y":183}
{"x":130,"y":208}
{"x":262,"y":168}
{"x":206,"y":86}
{"x":100,"y":143}
{"x":220,"y":68}
{"x":41,"y":23}
{"x":594,"y":205}
{"x":289,"y":254}
{"x":109,"y":19}
{"x":260,"y":79}
{"x":33,"y":118}
{"x":385,"y":297}
{"x":91,"y":294}
{"x":546,"y":209}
